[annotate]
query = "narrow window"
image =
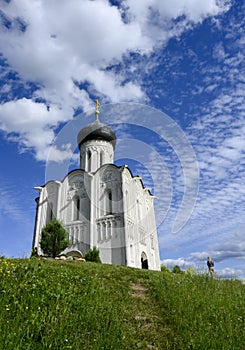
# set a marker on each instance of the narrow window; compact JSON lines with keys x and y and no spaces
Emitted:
{"x":101,"y":158}
{"x":77,"y":205}
{"x":108,"y":202}
{"x":50,"y":213}
{"x":99,"y":232}
{"x":109,"y":231}
{"x":89,"y":160}
{"x":104,"y":230}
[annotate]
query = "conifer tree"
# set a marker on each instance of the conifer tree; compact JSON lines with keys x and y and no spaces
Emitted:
{"x":54,"y":238}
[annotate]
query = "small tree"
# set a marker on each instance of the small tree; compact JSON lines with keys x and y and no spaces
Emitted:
{"x":176,"y":269}
{"x":93,"y":255}
{"x":54,"y":238}
{"x":165,"y":269}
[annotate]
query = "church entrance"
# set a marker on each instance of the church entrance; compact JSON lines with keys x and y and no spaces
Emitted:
{"x":144,"y":261}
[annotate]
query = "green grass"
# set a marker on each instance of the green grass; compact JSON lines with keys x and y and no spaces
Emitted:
{"x":73,"y":305}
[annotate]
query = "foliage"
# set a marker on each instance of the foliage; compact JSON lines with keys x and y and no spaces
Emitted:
{"x":93,"y":255}
{"x":54,"y":238}
{"x":60,"y":305}
{"x":190,"y":271}
{"x":176,"y":269}
{"x":165,"y":269}
{"x":34,"y":253}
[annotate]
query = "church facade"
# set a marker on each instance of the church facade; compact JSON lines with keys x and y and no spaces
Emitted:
{"x":102,"y":205}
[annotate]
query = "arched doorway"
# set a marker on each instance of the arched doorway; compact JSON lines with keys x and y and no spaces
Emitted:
{"x":144,"y":261}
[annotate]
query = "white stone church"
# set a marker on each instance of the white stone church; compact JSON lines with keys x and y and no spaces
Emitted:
{"x":102,"y":205}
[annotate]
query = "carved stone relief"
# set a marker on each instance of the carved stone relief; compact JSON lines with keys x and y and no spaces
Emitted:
{"x":109,"y":176}
{"x":76,"y":188}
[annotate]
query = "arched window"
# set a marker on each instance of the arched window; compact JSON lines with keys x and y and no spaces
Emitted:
{"x":77,"y":205}
{"x":109,"y":230}
{"x":50,"y":213}
{"x":89,"y":160}
{"x":99,"y":232}
{"x":108,"y":195}
{"x":101,"y":158}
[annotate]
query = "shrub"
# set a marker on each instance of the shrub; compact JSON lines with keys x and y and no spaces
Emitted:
{"x":165,"y":269}
{"x":176,"y":269}
{"x":93,"y":255}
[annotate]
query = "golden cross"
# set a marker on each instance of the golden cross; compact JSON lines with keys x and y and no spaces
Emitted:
{"x":97,"y":108}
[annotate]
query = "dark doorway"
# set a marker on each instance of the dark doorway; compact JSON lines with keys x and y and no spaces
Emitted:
{"x":144,"y":261}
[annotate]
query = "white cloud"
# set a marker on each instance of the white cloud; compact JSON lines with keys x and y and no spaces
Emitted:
{"x":30,"y":124}
{"x":76,"y":42}
{"x":195,"y":10}
{"x":219,"y":52}
{"x":11,"y":208}
{"x":111,"y":85}
{"x":56,"y":44}
{"x":229,"y":272}
{"x":155,"y":17}
{"x":59,"y":155}
{"x":181,"y":262}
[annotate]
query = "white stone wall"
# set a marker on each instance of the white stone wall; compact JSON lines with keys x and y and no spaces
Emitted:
{"x":108,"y":209}
{"x":140,"y":224}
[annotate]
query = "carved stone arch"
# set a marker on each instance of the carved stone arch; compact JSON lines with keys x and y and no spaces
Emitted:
{"x":110,"y":175}
{"x":76,"y":186}
{"x":75,"y":253}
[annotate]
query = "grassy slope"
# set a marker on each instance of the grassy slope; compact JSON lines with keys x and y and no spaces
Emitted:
{"x":74,"y":305}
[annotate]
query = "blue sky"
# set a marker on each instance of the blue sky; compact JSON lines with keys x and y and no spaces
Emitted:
{"x":177,"y":66}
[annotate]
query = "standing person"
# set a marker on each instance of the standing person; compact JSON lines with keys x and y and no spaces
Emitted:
{"x":210,"y":264}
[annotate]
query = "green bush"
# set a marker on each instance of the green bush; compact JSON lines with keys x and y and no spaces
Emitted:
{"x":54,"y":238}
{"x":177,"y":269}
{"x":165,"y":269}
{"x":93,"y":255}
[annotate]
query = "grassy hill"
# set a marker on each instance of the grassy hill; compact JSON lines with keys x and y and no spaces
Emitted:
{"x":74,"y":305}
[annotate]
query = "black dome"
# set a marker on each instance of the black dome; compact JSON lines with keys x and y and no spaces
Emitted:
{"x":96,"y":131}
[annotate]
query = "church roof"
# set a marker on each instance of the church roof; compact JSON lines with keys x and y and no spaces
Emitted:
{"x":96,"y":131}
